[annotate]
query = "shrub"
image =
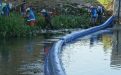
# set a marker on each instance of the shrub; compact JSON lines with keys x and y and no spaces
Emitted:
{"x":16,"y":26}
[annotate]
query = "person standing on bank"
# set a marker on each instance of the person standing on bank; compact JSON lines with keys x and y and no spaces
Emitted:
{"x":6,"y":10}
{"x":93,"y":16}
{"x":30,"y":17}
{"x":100,"y":14}
{"x":23,"y":9}
{"x":48,"y":19}
{"x":2,"y":5}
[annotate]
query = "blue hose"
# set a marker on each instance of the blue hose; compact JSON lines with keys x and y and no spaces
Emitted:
{"x":53,"y":64}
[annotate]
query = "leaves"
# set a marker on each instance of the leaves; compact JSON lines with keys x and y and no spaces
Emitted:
{"x":14,"y":26}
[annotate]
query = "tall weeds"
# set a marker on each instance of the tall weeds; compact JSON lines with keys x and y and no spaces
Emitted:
{"x":16,"y":26}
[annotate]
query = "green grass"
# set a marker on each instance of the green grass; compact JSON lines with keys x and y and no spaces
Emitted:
{"x":67,"y":21}
{"x":16,"y":26}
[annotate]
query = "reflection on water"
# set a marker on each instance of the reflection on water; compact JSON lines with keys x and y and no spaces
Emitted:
{"x":95,"y":38}
{"x":92,"y":56}
{"x":25,"y":56}
{"x":116,"y":51}
{"x":47,"y":46}
{"x":116,"y":60}
{"x":31,"y":45}
{"x":20,"y":56}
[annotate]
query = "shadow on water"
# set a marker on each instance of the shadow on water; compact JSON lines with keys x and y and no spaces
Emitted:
{"x":25,"y":55}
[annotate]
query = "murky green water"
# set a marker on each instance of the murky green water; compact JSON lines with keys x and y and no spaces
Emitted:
{"x":25,"y":56}
{"x":92,"y":56}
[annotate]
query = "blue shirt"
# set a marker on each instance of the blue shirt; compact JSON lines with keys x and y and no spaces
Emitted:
{"x":94,"y":13}
{"x":6,"y":10}
{"x":32,"y":18}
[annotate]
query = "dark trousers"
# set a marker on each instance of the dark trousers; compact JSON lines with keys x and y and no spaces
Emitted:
{"x":48,"y":22}
{"x":99,"y":19}
{"x":93,"y":21}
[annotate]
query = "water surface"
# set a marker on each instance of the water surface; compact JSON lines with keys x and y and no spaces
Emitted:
{"x":92,"y":56}
{"x":25,"y":55}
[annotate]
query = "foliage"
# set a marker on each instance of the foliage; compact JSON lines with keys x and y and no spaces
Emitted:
{"x":16,"y":26}
{"x":64,"y":21}
{"x":69,"y":21}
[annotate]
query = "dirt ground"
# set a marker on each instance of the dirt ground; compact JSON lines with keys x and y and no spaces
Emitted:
{"x":47,"y":2}
{"x":56,"y":3}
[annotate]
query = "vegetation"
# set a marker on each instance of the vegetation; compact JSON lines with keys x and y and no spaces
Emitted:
{"x":16,"y":26}
{"x":67,"y":21}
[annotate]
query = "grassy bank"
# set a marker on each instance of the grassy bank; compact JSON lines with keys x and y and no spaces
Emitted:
{"x":65,"y":21}
{"x":16,"y":26}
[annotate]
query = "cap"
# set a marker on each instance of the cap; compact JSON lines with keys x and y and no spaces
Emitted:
{"x":91,"y":7}
{"x":43,"y":10}
{"x":10,"y":5}
{"x":27,"y":9}
{"x":99,"y":7}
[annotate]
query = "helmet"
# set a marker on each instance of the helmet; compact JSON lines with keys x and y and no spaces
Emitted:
{"x":43,"y":10}
{"x":27,"y":9}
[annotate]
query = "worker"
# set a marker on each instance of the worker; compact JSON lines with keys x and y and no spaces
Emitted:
{"x":0,"y":8}
{"x":23,"y":9}
{"x":48,"y":19}
{"x":93,"y":15}
{"x":2,"y":4}
{"x":6,"y":10}
{"x":30,"y":17}
{"x":100,"y":14}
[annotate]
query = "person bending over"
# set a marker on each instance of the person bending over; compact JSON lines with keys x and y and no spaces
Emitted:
{"x":30,"y":17}
{"x":48,"y":18}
